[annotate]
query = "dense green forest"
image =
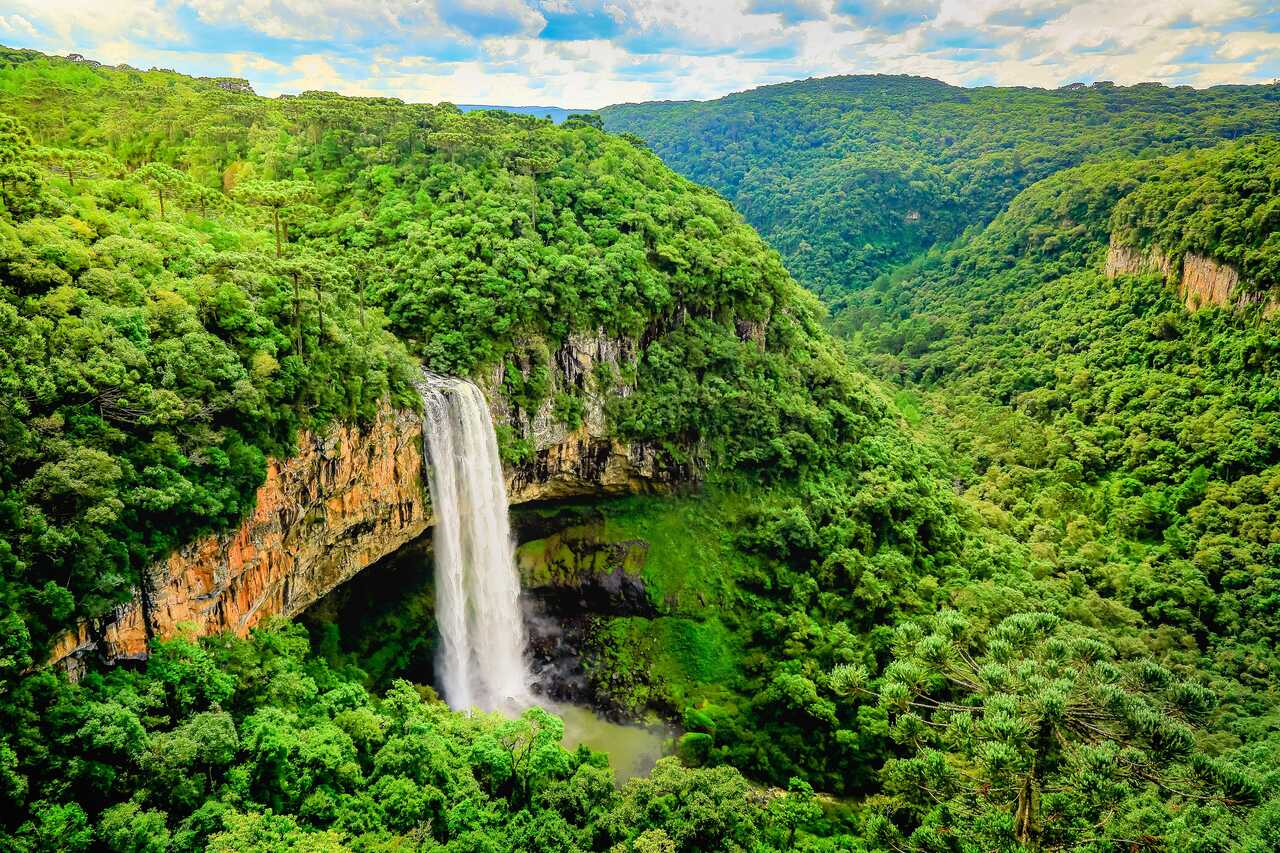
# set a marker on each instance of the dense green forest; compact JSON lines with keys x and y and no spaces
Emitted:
{"x":193,"y":274}
{"x":849,"y":177}
{"x":998,"y":571}
{"x":1129,"y":444}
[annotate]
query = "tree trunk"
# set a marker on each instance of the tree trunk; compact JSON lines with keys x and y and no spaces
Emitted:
{"x":1028,"y":805}
{"x":160,"y":193}
{"x":297,"y":316}
{"x":320,"y":307}
{"x":275,"y":219}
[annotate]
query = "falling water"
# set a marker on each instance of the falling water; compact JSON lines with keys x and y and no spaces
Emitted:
{"x":481,"y":659}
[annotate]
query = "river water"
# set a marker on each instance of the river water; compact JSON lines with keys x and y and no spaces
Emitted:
{"x":632,"y":750}
{"x":481,"y":661}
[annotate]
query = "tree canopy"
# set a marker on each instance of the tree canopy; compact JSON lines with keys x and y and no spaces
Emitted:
{"x":993,"y":568}
{"x":851,"y":176}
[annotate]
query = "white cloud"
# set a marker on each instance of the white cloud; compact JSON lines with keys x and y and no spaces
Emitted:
{"x":72,"y":24}
{"x":302,"y":19}
{"x":589,"y":53}
{"x":17,"y":26}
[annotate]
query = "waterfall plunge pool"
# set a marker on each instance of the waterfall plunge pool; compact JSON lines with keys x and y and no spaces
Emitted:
{"x":383,"y":620}
{"x":391,"y":621}
{"x":482,"y":654}
{"x":632,"y":749}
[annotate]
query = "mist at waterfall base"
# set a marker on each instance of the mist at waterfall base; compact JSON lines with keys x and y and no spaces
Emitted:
{"x":481,"y":661}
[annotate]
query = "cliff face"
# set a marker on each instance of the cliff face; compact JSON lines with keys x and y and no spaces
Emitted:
{"x":343,"y":501}
{"x":351,"y":497}
{"x":568,"y":462}
{"x":1200,"y":281}
{"x":1127,"y":260}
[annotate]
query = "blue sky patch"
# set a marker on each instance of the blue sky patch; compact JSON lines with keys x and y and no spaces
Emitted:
{"x":576,"y":26}
{"x":594,"y":52}
{"x":482,"y":22}
{"x":888,"y":14}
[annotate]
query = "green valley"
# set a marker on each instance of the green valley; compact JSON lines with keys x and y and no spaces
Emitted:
{"x":941,"y":514}
{"x":849,"y":177}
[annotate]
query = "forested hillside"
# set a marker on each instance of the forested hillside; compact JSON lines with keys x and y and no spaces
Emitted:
{"x":850,"y":176}
{"x":192,"y":274}
{"x":1128,"y":443}
{"x":1133,"y":443}
{"x":1014,"y":592}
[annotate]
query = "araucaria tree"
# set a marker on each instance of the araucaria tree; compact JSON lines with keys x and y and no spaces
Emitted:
{"x":275,"y":196}
{"x":164,"y":180}
{"x":1033,"y":735}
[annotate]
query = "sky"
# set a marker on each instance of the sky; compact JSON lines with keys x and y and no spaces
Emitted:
{"x":589,"y":54}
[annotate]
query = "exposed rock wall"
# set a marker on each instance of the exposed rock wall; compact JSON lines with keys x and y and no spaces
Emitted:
{"x":1200,"y":281}
{"x":351,"y":497}
{"x":1206,"y":282}
{"x":584,"y":460}
{"x":1127,"y":260}
{"x":343,"y":501}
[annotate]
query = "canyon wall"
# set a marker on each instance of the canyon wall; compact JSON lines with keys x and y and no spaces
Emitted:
{"x":352,"y":496}
{"x":1200,"y":281}
{"x":583,"y":459}
{"x":344,"y":500}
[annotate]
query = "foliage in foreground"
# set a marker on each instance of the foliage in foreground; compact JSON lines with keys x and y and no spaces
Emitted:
{"x":232,"y":745}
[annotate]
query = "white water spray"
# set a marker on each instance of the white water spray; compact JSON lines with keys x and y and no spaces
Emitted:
{"x":481,"y":660}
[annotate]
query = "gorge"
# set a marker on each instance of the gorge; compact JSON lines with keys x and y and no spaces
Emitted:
{"x":971,"y":546}
{"x":352,"y":495}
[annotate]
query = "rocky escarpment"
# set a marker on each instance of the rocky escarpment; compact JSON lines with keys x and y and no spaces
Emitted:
{"x":350,"y":497}
{"x":572,"y":578}
{"x":1200,"y":281}
{"x":343,"y":501}
{"x":567,"y":460}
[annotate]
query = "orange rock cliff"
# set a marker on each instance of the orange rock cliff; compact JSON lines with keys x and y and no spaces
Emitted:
{"x":1201,"y":281}
{"x":352,"y":496}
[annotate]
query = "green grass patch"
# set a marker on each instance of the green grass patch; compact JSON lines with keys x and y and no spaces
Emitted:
{"x":670,"y":660}
{"x":908,"y":405}
{"x":691,"y":563}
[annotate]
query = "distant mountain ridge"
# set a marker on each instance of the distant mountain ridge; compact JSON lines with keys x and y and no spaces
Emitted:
{"x":849,"y":177}
{"x":556,"y":114}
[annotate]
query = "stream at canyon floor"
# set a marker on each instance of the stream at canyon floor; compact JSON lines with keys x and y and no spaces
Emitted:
{"x":632,"y":749}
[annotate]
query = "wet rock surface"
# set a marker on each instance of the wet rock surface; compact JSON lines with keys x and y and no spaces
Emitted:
{"x":574,"y":578}
{"x":563,"y":611}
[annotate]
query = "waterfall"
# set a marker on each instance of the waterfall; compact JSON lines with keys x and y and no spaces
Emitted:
{"x":481,"y":660}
